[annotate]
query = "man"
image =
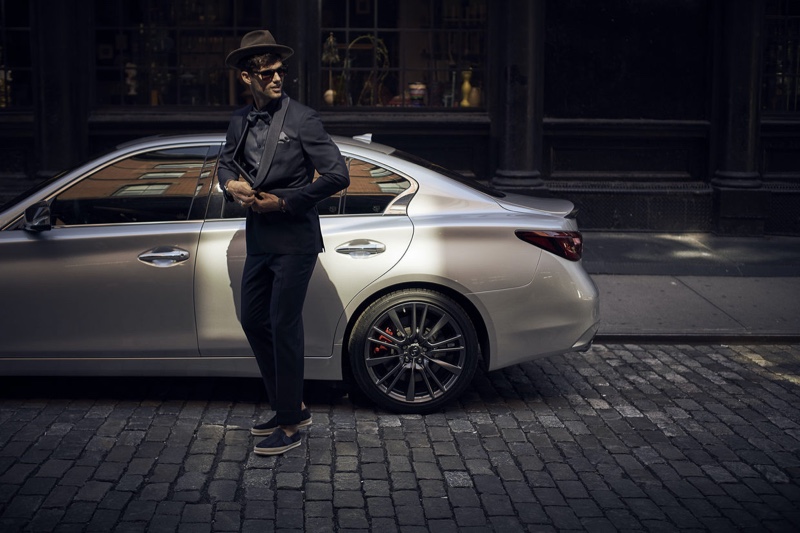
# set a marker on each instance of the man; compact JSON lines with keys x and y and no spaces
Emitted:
{"x":283,"y":232}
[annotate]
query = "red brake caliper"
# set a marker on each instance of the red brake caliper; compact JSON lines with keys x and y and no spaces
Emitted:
{"x":380,"y":348}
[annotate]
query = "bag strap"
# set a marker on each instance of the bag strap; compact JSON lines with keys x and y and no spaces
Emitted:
{"x":275,"y":128}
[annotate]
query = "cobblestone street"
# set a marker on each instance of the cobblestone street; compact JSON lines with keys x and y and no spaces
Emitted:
{"x":622,"y":438}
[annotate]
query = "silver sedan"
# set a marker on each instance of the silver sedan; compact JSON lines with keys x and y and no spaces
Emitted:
{"x":131,"y":265}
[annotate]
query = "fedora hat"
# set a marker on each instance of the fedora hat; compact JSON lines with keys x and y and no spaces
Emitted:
{"x":256,"y":43}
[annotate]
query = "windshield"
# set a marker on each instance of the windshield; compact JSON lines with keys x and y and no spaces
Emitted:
{"x":449,"y":173}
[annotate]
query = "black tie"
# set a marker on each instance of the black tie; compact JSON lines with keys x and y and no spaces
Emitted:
{"x":254,"y":115}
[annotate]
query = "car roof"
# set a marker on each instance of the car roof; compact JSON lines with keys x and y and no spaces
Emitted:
{"x":363,"y":142}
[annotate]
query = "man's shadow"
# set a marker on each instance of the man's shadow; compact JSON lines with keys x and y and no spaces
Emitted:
{"x":322,"y":310}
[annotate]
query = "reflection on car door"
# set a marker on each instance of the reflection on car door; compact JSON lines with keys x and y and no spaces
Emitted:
{"x":362,"y":242}
{"x":113,"y":277}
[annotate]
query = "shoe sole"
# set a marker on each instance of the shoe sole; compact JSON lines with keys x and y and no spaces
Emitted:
{"x":268,"y":432}
{"x":276,"y":451}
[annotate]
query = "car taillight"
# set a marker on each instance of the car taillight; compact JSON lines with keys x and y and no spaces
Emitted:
{"x":566,"y":244}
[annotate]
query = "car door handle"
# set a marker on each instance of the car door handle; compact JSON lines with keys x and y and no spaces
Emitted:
{"x":164,"y":256}
{"x":361,"y":248}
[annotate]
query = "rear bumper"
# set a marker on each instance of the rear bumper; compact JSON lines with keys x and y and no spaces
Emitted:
{"x":585,"y":342}
{"x":558,"y":312}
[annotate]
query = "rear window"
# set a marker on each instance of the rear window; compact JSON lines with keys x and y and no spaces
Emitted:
{"x":449,"y":173}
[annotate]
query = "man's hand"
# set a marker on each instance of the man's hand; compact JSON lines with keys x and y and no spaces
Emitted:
{"x":241,"y":192}
{"x":265,"y":202}
{"x":261,"y":202}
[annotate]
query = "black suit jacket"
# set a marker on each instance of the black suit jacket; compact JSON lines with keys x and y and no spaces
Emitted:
{"x":304,"y":146}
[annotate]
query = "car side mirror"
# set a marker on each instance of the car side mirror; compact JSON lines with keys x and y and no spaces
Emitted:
{"x":37,"y":217}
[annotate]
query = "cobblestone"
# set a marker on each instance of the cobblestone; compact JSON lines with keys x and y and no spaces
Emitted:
{"x":623,"y":437}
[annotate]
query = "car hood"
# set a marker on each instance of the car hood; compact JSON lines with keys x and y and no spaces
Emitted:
{"x":521,"y":202}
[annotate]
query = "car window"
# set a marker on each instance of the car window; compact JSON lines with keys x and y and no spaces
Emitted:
{"x":332,"y":205}
{"x":453,"y":175}
{"x":371,"y":189}
{"x":204,"y":183}
{"x":155,"y":186}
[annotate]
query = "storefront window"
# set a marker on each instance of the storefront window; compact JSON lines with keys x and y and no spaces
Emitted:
{"x":781,"y":82}
{"x":152,"y":53}
{"x":15,"y":55}
{"x":410,"y":53}
{"x":627,"y":60}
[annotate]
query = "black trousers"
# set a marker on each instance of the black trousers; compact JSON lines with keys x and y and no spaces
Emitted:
{"x":273,"y":291}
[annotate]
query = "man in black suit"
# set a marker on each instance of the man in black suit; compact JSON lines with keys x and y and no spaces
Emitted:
{"x":283,"y":232}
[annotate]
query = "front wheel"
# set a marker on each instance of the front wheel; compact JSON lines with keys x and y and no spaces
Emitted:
{"x":414,"y":350}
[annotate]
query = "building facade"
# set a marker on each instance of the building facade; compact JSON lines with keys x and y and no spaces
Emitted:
{"x":665,"y":115}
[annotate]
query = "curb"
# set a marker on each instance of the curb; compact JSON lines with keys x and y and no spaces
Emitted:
{"x":697,"y":338}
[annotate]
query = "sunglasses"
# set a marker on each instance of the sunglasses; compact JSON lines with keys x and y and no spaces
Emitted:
{"x":267,"y":75}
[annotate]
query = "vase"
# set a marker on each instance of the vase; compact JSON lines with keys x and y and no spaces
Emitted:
{"x":417,"y":91}
{"x":475,"y":97}
{"x":466,"y":87}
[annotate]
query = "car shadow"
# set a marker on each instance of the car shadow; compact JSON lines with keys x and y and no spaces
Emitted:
{"x":235,"y":389}
{"x":527,"y":383}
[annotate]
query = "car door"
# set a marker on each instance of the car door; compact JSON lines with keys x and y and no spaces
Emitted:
{"x":364,"y":237}
{"x":113,"y":277}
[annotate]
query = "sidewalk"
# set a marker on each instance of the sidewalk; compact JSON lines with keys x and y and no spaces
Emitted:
{"x":695,"y":286}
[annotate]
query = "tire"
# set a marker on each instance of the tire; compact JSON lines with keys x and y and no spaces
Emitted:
{"x":413,"y":351}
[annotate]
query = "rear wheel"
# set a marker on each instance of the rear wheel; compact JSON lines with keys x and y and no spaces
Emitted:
{"x":412,"y":351}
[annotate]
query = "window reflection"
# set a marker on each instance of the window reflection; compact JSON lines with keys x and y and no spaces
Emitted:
{"x":124,"y":192}
{"x":151,"y":189}
{"x":371,"y":188}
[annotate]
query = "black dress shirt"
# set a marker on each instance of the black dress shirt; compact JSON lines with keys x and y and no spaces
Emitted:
{"x":258,"y":126}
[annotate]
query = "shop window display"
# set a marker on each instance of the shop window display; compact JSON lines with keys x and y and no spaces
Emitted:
{"x":15,"y":55}
{"x":154,"y":53}
{"x":781,"y":80}
{"x":409,"y":54}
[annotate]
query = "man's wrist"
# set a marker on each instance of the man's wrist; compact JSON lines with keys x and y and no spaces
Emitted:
{"x":227,"y":192}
